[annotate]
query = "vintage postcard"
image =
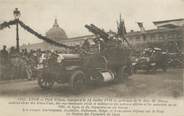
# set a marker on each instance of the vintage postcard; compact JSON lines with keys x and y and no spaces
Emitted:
{"x":91,"y":57}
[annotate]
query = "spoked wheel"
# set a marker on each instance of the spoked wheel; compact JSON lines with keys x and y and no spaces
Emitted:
{"x":45,"y":82}
{"x":78,"y":82}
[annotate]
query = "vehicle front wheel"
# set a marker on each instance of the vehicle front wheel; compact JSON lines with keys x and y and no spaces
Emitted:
{"x":77,"y":81}
{"x":45,"y":82}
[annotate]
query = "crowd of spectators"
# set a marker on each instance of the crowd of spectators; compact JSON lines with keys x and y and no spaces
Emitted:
{"x":16,"y":64}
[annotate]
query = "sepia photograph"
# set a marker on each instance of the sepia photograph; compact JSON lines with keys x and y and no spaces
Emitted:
{"x":92,"y":58}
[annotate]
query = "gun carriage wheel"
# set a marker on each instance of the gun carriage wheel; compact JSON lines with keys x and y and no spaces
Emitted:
{"x":77,"y":81}
{"x":122,"y":74}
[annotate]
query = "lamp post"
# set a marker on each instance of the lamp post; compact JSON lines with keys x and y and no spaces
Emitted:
{"x":17,"y":14}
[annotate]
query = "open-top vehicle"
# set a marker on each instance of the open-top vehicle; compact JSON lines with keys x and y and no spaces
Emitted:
{"x":151,"y":60}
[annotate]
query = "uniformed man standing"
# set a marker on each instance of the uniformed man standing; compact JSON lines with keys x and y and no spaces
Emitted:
{"x":86,"y":45}
{"x":4,"y":62}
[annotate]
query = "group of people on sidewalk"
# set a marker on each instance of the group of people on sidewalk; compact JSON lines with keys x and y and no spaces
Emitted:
{"x":22,"y":64}
{"x":15,"y":64}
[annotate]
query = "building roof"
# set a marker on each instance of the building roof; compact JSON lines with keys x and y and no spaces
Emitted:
{"x":151,"y":31}
{"x":169,"y":23}
{"x":165,"y":21}
{"x":56,"y":33}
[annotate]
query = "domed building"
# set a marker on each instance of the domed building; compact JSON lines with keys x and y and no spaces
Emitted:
{"x":56,"y":33}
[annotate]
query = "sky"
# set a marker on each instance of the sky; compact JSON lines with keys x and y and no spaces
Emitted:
{"x":72,"y":15}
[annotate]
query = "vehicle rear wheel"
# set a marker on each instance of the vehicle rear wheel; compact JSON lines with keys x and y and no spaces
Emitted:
{"x":78,"y":81}
{"x":45,"y":82}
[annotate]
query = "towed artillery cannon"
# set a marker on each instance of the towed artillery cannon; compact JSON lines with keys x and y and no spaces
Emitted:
{"x":110,"y":64}
{"x":114,"y":53}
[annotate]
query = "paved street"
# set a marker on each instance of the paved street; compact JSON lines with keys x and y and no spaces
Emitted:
{"x":169,"y":84}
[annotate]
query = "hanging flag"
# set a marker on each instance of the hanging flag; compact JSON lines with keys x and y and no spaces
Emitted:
{"x":121,"y":28}
{"x":140,"y":24}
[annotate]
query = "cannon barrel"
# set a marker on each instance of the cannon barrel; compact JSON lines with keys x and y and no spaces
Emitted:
{"x":97,"y":31}
{"x":102,"y":32}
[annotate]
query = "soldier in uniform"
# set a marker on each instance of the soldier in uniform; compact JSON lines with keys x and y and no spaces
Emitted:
{"x":15,"y":63}
{"x":86,"y":45}
{"x":4,"y":62}
{"x":53,"y":64}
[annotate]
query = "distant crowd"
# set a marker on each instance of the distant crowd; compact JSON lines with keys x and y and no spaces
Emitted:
{"x":14,"y":64}
{"x":21,"y":64}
